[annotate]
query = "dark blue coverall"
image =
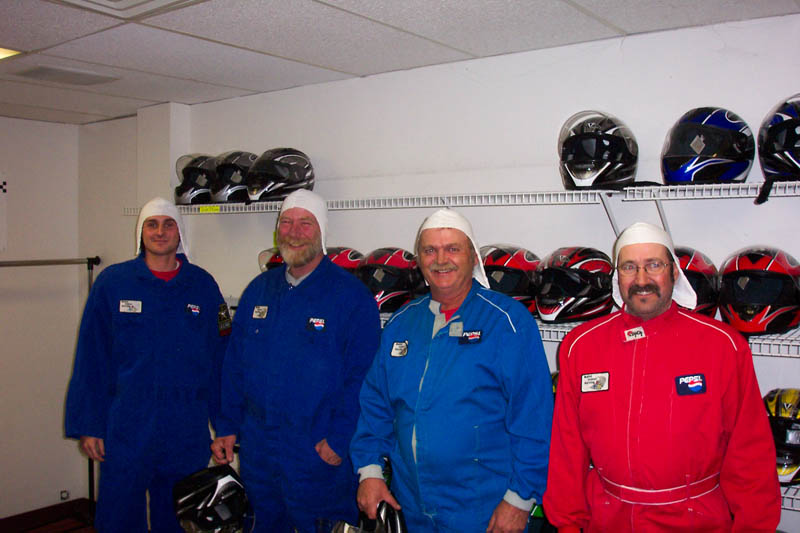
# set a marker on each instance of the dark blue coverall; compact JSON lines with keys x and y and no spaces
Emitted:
{"x":291,"y":377}
{"x":146,"y":380}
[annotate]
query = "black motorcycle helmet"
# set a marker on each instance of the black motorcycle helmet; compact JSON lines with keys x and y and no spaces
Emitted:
{"x":228,"y":185}
{"x":277,"y":173}
{"x":597,"y":151}
{"x":779,"y":145}
{"x":195,"y":172}
{"x":212,"y":500}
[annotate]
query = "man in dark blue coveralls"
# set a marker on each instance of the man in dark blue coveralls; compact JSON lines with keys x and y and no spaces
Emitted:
{"x":303,"y":338}
{"x":146,"y":377}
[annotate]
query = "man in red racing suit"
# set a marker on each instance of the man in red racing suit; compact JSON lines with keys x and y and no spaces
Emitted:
{"x":658,"y":423}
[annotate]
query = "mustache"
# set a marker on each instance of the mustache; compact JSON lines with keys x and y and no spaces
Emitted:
{"x":436,"y":267}
{"x":641,"y":289}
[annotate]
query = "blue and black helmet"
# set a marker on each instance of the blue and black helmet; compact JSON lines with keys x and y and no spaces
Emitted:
{"x":707,"y":145}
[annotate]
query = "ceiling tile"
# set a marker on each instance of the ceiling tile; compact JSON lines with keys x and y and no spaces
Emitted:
{"x":486,"y":27}
{"x":156,"y":51}
{"x":131,"y":84}
{"x":310,"y":32}
{"x":44,"y":114}
{"x":35,"y":24}
{"x":639,"y":16}
{"x":12,"y":92}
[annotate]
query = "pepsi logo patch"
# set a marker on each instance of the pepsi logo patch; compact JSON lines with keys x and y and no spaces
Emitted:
{"x":193,"y":309}
{"x":470,"y":337}
{"x":316,"y":324}
{"x":690,"y":384}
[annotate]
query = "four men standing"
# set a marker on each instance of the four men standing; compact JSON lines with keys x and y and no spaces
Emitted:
{"x":658,"y":425}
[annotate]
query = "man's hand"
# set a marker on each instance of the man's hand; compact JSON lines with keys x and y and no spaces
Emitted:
{"x":507,"y":519}
{"x":327,"y":454}
{"x":370,"y":493}
{"x":222,"y":448}
{"x":94,"y":447}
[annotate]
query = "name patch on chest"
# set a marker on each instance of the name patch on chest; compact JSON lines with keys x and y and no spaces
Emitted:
{"x":690,"y":384}
{"x":470,"y":337}
{"x":260,"y":311}
{"x":594,"y":382}
{"x":399,"y":349}
{"x":634,"y":334}
{"x":130,"y":306}
{"x":316,"y":324}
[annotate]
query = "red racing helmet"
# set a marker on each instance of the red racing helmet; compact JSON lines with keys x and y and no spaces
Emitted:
{"x":702,"y":275}
{"x":574,"y":284}
{"x":392,"y":275}
{"x":345,"y":257}
{"x":760,"y":291}
{"x":511,"y":271}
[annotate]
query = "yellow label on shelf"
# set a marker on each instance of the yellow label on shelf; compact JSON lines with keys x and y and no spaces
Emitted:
{"x":209,"y":209}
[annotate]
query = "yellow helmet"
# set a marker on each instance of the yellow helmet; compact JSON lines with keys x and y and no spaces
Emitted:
{"x":783,"y":407}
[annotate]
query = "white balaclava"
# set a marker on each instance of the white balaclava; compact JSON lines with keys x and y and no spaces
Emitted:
{"x":641,"y":233}
{"x":447,"y":218}
{"x":160,"y":207}
{"x":313,"y":203}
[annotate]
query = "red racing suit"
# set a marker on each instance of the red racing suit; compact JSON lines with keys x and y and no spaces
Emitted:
{"x":669,"y":414}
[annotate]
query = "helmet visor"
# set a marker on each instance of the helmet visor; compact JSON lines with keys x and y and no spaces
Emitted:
{"x":758,"y":288}
{"x":559,"y":283}
{"x":595,"y":148}
{"x":692,"y":139}
{"x":380,"y":278}
{"x":508,"y":281}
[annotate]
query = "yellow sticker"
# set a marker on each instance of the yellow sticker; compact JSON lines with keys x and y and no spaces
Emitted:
{"x":209,"y":209}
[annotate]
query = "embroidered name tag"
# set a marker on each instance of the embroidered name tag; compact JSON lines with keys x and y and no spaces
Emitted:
{"x":634,"y":334}
{"x":130,"y":306}
{"x":399,"y":349}
{"x":260,"y":311}
{"x":594,"y":382}
{"x":691,"y":384}
{"x":316,"y":324}
{"x":470,"y":337}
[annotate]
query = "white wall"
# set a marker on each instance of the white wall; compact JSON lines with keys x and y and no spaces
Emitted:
{"x":477,"y":126}
{"x":40,"y":307}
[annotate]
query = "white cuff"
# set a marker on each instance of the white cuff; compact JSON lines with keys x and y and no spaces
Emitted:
{"x":513,"y":498}
{"x":370,"y":471}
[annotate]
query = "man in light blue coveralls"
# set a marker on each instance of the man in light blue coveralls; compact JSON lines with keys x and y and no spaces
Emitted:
{"x":303,"y":338}
{"x":146,"y":375}
{"x":459,"y":398}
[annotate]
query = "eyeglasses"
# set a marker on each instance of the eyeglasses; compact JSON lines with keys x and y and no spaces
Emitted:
{"x":653,"y":268}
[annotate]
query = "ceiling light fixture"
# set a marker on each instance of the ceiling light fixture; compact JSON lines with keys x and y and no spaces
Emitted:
{"x":5,"y":52}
